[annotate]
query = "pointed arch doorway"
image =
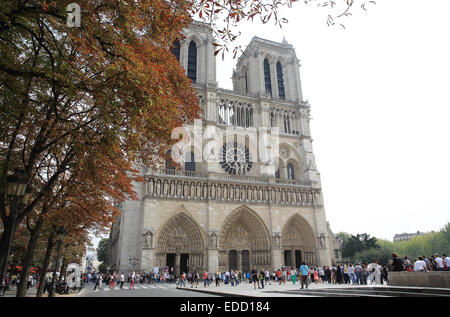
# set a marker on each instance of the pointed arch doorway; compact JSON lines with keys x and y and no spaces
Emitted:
{"x":244,"y":242}
{"x":180,"y":245}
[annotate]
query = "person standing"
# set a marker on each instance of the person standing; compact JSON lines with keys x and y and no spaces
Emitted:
{"x":316,"y":276}
{"x":420,"y":265}
{"x":262,"y":276}
{"x":379,"y":272}
{"x":294,"y":277}
{"x":446,"y":262}
{"x":397,"y":263}
{"x":439,"y":262}
{"x":359,"y":274}
{"x":351,"y":271}
{"x":304,"y":270}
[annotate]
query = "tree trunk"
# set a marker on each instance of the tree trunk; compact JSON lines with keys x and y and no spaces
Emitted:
{"x":48,"y":255}
{"x":28,"y":259}
{"x":9,"y":227}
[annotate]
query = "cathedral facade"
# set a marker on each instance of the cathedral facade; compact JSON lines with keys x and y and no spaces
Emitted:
{"x":231,"y":208}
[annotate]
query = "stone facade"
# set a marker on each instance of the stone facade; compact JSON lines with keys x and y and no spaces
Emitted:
{"x":220,"y":215}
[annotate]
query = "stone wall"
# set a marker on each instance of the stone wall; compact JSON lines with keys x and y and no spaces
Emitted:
{"x":420,"y":279}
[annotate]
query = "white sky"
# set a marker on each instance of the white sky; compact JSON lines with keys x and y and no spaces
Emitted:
{"x":379,"y":95}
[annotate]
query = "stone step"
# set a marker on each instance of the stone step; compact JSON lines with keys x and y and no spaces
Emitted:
{"x":374,"y":291}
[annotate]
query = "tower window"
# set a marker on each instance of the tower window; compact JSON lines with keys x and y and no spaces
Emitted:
{"x":192,"y":62}
{"x":176,"y":49}
{"x":290,"y":171}
{"x":267,"y":82}
{"x":190,"y":163}
{"x":281,"y":93}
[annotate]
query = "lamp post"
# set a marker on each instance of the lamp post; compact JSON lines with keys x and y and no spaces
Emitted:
{"x":134,"y":262}
{"x":60,"y":235}
{"x":16,"y":185}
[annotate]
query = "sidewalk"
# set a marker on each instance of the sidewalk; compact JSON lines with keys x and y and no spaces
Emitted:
{"x":246,"y":289}
{"x":32,"y":293}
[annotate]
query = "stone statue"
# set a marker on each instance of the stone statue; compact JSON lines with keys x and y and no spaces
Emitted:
{"x":276,"y":239}
{"x":213,"y":240}
{"x":148,"y":239}
{"x":322,"y":240}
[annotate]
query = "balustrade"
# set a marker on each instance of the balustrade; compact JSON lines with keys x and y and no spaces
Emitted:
{"x":215,"y":186}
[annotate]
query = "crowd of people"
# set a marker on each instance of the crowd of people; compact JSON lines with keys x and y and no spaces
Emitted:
{"x":352,"y":274}
{"x":421,"y":263}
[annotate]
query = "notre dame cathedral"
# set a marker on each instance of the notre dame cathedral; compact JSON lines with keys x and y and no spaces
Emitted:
{"x":233,"y":211}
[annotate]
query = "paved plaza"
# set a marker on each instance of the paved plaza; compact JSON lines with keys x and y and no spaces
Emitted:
{"x":270,"y":290}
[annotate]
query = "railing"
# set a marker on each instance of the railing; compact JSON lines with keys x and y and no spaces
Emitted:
{"x":228,"y":177}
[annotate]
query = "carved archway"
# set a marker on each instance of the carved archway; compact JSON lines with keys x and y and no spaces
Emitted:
{"x":244,"y":235}
{"x":298,"y":242}
{"x":180,"y":242}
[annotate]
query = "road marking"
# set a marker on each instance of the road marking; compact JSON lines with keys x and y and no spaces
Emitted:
{"x":145,"y":287}
{"x":125,"y":287}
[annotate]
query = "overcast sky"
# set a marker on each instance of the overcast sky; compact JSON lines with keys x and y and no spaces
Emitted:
{"x":379,"y":95}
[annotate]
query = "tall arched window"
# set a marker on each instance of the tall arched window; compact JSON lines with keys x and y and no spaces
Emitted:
{"x":290,"y":171}
{"x":176,"y":49}
{"x":192,"y":62}
{"x":267,"y":82}
{"x":190,"y":163}
{"x":281,"y":94}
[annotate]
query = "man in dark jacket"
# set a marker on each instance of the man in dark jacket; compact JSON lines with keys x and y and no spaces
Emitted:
{"x":397,"y":263}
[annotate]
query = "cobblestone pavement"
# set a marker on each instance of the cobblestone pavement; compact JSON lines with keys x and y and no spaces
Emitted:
{"x":270,"y":290}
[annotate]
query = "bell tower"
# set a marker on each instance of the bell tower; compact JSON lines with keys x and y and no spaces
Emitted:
{"x":268,"y":69}
{"x":196,"y":54}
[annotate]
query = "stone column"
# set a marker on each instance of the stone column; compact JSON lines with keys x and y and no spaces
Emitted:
{"x":274,"y":79}
{"x":277,"y":256}
{"x":213,"y":260}
{"x":177,"y":264}
{"x":239,"y":260}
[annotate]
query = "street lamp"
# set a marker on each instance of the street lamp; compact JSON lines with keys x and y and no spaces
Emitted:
{"x":60,"y":235}
{"x":16,"y":185}
{"x":134,"y":262}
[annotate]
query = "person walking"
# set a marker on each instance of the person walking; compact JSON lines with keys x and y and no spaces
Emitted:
{"x":316,"y":276}
{"x":217,"y":278}
{"x":304,"y":270}
{"x":113,"y":281}
{"x":122,"y":280}
{"x":254,"y":275}
{"x":98,"y":283}
{"x":132,"y":280}
{"x":183,"y":280}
